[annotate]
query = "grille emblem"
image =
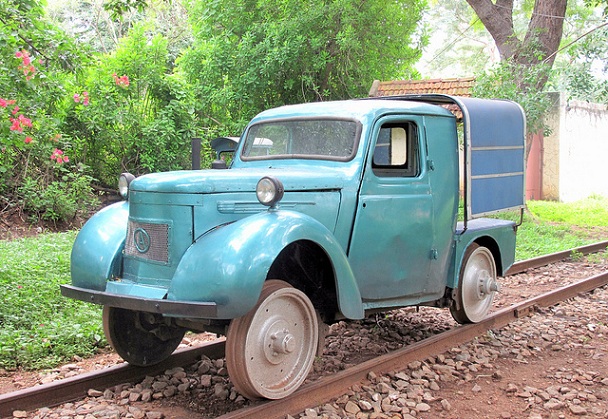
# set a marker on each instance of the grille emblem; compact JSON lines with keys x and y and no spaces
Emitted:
{"x":141,"y":239}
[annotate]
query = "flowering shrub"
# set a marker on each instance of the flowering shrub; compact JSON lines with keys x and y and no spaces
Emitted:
{"x":132,"y":114}
{"x":33,"y":171}
{"x":26,"y":64}
{"x":83,"y":98}
{"x":122,"y":81}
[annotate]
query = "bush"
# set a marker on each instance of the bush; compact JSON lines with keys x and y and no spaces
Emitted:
{"x":36,"y":166}
{"x":138,"y":117}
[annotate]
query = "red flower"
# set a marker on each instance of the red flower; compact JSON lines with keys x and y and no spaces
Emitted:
{"x":59,"y":157}
{"x":26,"y":64}
{"x":4,"y":103}
{"x":16,"y":125}
{"x":28,"y":140}
{"x":122,"y":81}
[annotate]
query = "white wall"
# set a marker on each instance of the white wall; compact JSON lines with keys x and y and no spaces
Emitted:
{"x":575,"y":157}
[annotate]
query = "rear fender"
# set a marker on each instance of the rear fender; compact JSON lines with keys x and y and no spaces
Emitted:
{"x":230,"y":264}
{"x":97,"y":251}
{"x":496,"y":235}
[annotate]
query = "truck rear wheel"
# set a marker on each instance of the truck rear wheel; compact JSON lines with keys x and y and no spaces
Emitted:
{"x":476,"y":286}
{"x":140,"y":338}
{"x":271,"y":349}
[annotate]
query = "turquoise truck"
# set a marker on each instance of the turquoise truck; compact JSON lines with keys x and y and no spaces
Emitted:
{"x":327,"y":211}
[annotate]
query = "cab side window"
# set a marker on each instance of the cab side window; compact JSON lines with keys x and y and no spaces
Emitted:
{"x":396,"y":151}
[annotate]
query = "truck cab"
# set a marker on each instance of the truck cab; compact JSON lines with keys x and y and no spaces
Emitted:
{"x":328,"y":211}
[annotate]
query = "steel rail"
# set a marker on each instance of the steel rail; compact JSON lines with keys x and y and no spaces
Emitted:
{"x":327,"y":388}
{"x":73,"y":388}
{"x":544,"y":260}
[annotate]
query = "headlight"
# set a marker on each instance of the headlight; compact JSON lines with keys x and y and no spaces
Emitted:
{"x":269,"y":191}
{"x":123,"y":184}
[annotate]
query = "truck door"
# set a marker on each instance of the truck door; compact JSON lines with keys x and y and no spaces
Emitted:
{"x":391,"y":244}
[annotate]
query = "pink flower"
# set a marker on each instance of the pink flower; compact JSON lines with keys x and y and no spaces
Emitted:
{"x":4,"y":103}
{"x":59,"y":157}
{"x":15,"y":110}
{"x":26,"y":64}
{"x":20,"y":122}
{"x":28,"y":140}
{"x":84,"y":98}
{"x":16,"y":125}
{"x":122,"y":81}
{"x":25,"y":121}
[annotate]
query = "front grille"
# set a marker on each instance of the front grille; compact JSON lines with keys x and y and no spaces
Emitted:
{"x":148,"y":241}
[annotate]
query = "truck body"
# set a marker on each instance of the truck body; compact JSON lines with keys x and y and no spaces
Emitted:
{"x":363,"y":216}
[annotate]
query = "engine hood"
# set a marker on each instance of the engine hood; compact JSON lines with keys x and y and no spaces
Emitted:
{"x":237,"y":180}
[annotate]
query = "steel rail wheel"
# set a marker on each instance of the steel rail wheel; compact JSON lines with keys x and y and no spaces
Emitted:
{"x":271,"y":349}
{"x":140,"y":338}
{"x":476,"y":286}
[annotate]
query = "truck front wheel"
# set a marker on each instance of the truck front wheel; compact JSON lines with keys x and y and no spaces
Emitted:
{"x":476,"y":286}
{"x":271,"y":349}
{"x":140,"y":338}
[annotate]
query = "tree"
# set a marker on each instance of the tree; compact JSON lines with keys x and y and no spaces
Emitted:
{"x":541,"y":40}
{"x":526,"y":62}
{"x":250,"y":55}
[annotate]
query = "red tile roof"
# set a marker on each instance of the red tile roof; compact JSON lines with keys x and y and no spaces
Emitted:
{"x":455,"y":86}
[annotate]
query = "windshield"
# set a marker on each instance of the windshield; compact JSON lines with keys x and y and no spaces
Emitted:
{"x":329,"y":139}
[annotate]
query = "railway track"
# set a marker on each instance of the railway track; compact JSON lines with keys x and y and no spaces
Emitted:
{"x":315,"y":393}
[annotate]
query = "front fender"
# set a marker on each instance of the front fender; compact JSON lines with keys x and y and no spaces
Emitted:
{"x":97,"y":251}
{"x":229,"y":264}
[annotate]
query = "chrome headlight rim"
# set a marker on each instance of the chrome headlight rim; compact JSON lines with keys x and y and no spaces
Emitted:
{"x":269,"y":191}
{"x":124,"y":181}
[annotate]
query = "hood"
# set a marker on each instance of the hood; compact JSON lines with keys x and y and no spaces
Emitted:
{"x":237,"y":180}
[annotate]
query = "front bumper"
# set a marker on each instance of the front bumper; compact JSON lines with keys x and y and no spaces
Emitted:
{"x":186,"y":309}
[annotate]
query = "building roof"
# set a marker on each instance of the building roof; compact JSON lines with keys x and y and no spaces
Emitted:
{"x":453,"y":86}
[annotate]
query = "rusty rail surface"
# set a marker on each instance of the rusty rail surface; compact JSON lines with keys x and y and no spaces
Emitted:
{"x":73,"y":388}
{"x":537,"y":262}
{"x":327,"y":388}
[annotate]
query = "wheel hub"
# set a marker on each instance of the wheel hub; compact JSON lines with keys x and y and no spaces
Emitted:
{"x":487,"y":285}
{"x":278,"y":342}
{"x":283,"y":342}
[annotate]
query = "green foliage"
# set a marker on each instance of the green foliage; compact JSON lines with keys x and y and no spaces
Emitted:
{"x":520,"y":78}
{"x":587,"y":71}
{"x":119,"y":7}
{"x":37,"y":64}
{"x":66,"y":198}
{"x":38,"y":327}
{"x":252,"y":55}
{"x":139,"y":117}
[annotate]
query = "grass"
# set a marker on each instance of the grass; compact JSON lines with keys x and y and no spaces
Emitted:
{"x":553,"y":226}
{"x":39,"y":328}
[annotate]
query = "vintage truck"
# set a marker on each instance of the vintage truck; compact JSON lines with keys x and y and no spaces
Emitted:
{"x":327,"y":211}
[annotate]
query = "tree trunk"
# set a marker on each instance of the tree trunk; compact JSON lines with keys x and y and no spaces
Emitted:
{"x":541,"y":40}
